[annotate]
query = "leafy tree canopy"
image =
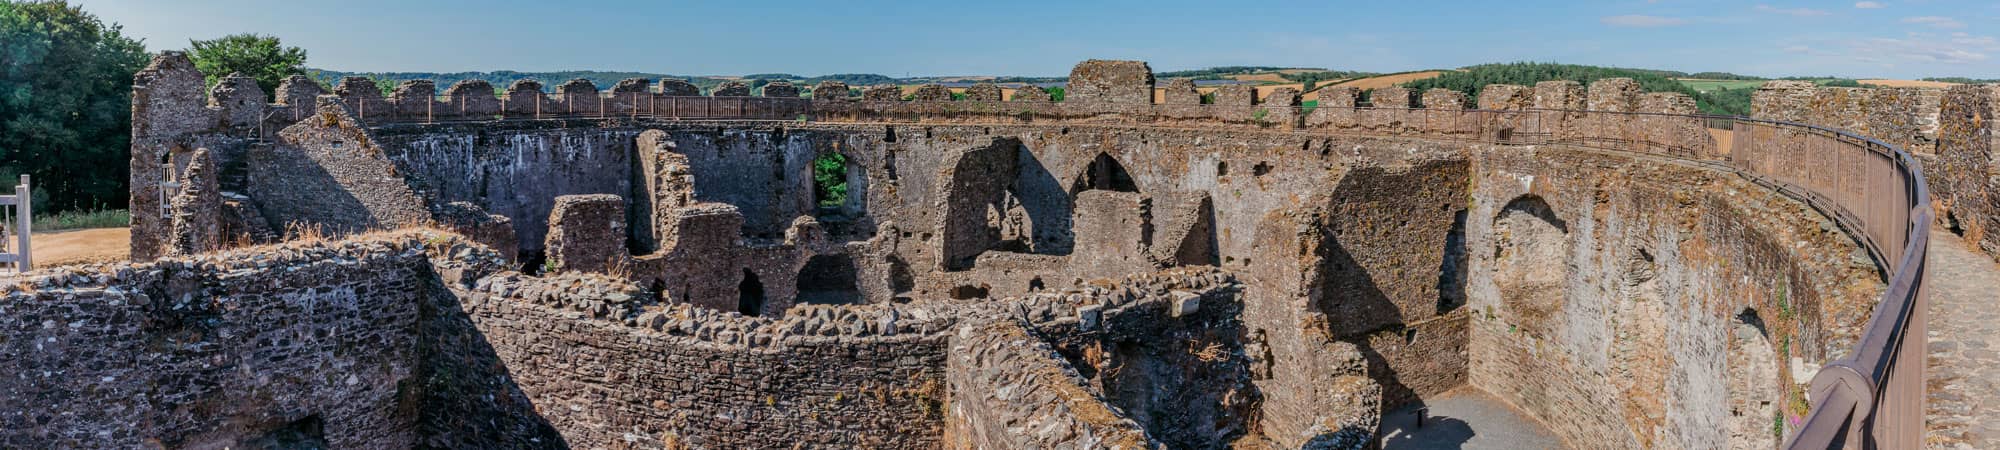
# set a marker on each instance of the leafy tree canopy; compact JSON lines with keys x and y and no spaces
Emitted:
{"x":258,"y":56}
{"x":1475,"y":78}
{"x":65,"y":103}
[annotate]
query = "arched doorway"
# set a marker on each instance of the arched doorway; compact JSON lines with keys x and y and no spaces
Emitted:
{"x":750,"y":295}
{"x":1104,"y":173}
{"x":1530,"y":260}
{"x":829,"y":280}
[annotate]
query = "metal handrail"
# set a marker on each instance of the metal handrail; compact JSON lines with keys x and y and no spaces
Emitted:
{"x":1875,"y":192}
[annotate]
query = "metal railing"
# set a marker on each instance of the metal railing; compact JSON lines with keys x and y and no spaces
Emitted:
{"x":17,"y":227}
{"x":602,"y":105}
{"x":1871,"y":398}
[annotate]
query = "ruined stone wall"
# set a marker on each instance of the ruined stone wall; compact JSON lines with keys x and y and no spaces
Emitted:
{"x":330,"y":173}
{"x":1008,"y":381}
{"x":1604,"y":294}
{"x":1948,"y":131}
{"x":1965,"y":173}
{"x":1387,"y":228}
{"x":219,"y":350}
{"x":515,"y":172}
{"x":607,"y":370}
{"x":1904,"y":117}
{"x":172,"y":117}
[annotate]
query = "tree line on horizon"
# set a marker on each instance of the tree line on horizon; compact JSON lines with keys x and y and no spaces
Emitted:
{"x":1471,"y":80}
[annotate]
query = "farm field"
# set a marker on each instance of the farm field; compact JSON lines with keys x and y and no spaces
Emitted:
{"x":1378,"y":82}
{"x":1908,"y":83}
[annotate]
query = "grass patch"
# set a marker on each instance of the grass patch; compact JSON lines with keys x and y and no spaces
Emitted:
{"x":78,"y":220}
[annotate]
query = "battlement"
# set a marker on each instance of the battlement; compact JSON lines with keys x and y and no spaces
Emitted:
{"x":1101,"y":91}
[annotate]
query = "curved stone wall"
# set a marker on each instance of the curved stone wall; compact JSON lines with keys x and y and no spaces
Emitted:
{"x":1623,"y":329}
{"x":1628,"y":300}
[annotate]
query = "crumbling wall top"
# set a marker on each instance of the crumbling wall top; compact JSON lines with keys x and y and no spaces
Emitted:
{"x":1111,"y":82}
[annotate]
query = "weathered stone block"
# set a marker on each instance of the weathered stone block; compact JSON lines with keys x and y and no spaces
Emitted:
{"x":830,"y":90}
{"x":983,"y":92}
{"x":1443,"y":99}
{"x":1392,"y":97}
{"x":586,"y":233}
{"x":1613,"y":95}
{"x":1110,"y":82}
{"x":1180,"y":91}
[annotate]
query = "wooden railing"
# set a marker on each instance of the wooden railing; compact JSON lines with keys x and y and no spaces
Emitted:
{"x":17,"y":227}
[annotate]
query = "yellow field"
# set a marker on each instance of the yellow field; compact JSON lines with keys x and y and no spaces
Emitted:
{"x":1909,"y":83}
{"x":1389,"y":80}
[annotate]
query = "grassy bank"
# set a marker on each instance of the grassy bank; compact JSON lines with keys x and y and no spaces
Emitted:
{"x":77,"y":220}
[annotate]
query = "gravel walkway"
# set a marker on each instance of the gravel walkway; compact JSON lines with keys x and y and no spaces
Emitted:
{"x":1964,"y":407}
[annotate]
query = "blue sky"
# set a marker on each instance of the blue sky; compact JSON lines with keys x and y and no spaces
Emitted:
{"x":1881,"y":38}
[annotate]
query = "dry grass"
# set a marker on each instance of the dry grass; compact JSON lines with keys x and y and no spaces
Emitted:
{"x":1909,"y":83}
{"x":1213,"y":353}
{"x":96,"y":245}
{"x":1389,"y":80}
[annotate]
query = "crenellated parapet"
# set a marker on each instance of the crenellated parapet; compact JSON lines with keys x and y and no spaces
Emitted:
{"x":831,"y":91}
{"x":1393,"y":97}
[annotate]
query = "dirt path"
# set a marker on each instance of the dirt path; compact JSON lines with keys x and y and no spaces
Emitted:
{"x":62,"y":248}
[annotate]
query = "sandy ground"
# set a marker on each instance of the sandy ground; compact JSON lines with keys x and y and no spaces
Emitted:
{"x":1389,"y":80}
{"x":1909,"y":83}
{"x":62,"y":248}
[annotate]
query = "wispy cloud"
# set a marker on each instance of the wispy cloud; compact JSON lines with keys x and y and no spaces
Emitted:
{"x":1869,"y":5}
{"x":1935,"y":22}
{"x":1808,"y":50}
{"x":1795,"y":12}
{"x":1959,"y":48}
{"x":1642,"y":21}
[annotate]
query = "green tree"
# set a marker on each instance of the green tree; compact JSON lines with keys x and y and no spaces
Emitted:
{"x":260,"y":57}
{"x":65,"y":103}
{"x":830,"y":179}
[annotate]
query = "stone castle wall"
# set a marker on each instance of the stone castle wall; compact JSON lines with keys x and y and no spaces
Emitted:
{"x":1364,"y":292}
{"x":1605,"y":294}
{"x":1948,"y":130}
{"x":217,"y":350}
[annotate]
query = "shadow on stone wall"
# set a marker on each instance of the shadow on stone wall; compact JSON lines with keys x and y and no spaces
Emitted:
{"x":467,"y":397}
{"x":290,"y":187}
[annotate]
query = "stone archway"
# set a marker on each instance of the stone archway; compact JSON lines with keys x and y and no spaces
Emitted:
{"x":1104,"y":173}
{"x":1531,"y":262}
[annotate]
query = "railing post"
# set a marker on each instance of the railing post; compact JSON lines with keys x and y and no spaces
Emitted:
{"x":25,"y":213}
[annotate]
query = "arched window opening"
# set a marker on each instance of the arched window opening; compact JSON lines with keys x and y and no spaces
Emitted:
{"x":750,"y":295}
{"x":830,"y":188}
{"x":1104,"y":173}
{"x":829,"y":280}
